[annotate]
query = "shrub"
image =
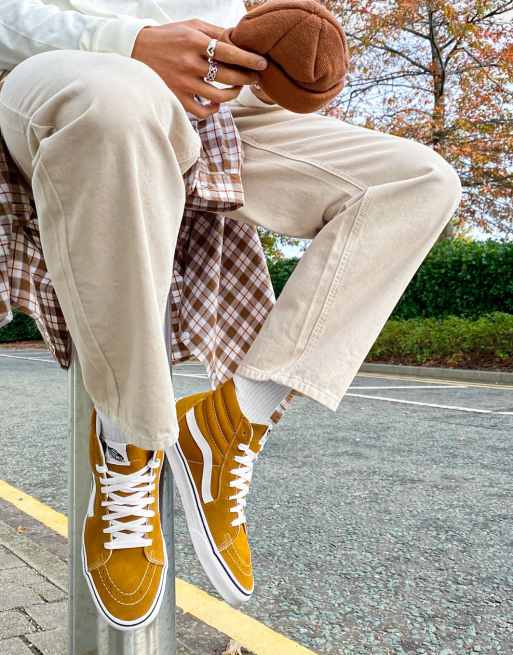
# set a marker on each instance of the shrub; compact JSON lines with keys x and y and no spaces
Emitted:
{"x":457,"y":278}
{"x":280,"y":271}
{"x":489,"y":339}
{"x":21,"y":328}
{"x":461,"y":278}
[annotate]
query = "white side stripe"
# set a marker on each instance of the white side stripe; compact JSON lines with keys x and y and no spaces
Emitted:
{"x":92,"y":497}
{"x":201,"y":442}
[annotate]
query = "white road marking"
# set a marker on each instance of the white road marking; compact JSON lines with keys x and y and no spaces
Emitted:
{"x":414,"y":402}
{"x":427,"y":384}
{"x":32,"y":359}
{"x":412,"y":386}
{"x":52,"y":361}
{"x":190,"y":375}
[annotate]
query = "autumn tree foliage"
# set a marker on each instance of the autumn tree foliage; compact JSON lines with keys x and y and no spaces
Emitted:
{"x":440,"y":73}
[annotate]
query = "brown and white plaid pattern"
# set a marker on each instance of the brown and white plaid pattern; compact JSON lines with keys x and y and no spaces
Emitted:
{"x":221,"y":291}
{"x":24,"y":280}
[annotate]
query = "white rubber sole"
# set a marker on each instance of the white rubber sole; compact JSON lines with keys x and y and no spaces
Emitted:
{"x":113,"y":621}
{"x":202,"y":540}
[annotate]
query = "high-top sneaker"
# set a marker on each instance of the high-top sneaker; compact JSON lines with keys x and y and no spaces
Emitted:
{"x":212,"y":463}
{"x":123,"y":553}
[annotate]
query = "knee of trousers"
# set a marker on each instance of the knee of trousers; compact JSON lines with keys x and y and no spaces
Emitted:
{"x":107,"y":92}
{"x":430,"y":179}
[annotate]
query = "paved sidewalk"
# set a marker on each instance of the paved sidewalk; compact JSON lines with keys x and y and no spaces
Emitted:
{"x":33,"y":605}
{"x":32,"y":596}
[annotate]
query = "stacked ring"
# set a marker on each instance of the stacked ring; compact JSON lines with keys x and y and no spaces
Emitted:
{"x":212,"y":71}
{"x":212,"y":65}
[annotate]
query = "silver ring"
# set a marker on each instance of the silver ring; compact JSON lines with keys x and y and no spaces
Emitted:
{"x":212,"y":71}
{"x":211,"y":48}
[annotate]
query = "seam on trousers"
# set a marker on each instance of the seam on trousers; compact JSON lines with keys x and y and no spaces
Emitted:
{"x":335,"y":283}
{"x":287,"y":155}
{"x":72,"y":280}
{"x":20,"y":114}
{"x":303,"y":338}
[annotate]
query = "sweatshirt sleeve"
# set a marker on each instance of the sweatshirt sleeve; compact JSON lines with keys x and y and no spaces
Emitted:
{"x":28,"y":27}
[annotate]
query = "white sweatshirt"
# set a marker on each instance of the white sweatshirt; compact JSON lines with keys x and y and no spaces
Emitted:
{"x":31,"y":26}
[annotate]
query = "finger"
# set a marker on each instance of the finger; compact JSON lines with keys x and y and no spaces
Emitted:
{"x":196,"y":108}
{"x":206,"y":90}
{"x":235,"y":77}
{"x":231,"y":54}
{"x":228,"y":74}
{"x":214,"y":31}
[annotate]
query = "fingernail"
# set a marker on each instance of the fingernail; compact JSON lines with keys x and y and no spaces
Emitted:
{"x":262,"y":63}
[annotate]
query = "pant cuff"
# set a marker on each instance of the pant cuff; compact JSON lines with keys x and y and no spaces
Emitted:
{"x":326,"y":398}
{"x":122,"y":430}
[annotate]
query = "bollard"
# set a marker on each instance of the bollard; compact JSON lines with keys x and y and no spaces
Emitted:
{"x":88,"y":633}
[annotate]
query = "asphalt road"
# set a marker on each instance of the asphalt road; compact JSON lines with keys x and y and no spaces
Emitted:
{"x":385,"y":528}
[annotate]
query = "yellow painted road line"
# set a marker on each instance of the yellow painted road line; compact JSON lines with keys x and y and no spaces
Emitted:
{"x":249,"y":632}
{"x":34,"y":508}
{"x":252,"y":634}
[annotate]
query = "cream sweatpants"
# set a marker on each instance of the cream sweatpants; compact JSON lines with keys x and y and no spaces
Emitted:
{"x":104,"y":143}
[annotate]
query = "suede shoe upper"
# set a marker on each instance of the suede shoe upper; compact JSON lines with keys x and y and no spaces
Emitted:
{"x":125,"y":578}
{"x":227,"y":446}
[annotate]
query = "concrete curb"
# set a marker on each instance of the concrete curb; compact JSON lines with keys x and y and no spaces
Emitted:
{"x":454,"y":374}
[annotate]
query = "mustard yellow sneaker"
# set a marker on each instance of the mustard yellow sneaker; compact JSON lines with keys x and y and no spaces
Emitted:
{"x":212,"y":463}
{"x":124,"y":556}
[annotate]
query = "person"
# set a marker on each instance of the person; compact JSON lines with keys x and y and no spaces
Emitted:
{"x":94,"y":113}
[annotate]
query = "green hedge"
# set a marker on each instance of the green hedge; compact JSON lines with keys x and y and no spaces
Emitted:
{"x":461,"y":278}
{"x":21,"y":328}
{"x":280,"y":271}
{"x":454,"y":341}
{"x":458,"y":278}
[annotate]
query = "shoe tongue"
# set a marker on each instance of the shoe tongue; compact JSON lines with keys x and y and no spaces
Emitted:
{"x":125,"y":458}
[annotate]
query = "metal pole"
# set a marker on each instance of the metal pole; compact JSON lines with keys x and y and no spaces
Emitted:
{"x":88,"y":633}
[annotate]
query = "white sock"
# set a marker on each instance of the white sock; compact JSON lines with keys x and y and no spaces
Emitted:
{"x":109,"y":430}
{"x":258,"y":399}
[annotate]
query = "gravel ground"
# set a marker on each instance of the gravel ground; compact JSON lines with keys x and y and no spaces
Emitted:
{"x":384,"y":528}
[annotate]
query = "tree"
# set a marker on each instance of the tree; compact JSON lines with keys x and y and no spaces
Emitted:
{"x":273,"y":243}
{"x":441,"y":73}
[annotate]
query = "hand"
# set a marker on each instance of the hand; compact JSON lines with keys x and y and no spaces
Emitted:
{"x":178,"y":53}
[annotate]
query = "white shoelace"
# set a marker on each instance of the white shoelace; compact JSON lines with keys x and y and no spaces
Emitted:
{"x":243,"y":476}
{"x":137,"y":487}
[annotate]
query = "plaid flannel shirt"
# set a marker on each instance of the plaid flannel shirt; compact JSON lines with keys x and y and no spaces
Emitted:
{"x":221,"y":290}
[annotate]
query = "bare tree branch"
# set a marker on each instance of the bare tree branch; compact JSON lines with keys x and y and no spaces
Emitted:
{"x":393,"y":51}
